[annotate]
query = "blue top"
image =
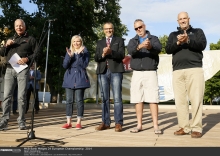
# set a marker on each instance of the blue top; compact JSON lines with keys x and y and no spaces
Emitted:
{"x":76,"y":76}
{"x":142,"y":39}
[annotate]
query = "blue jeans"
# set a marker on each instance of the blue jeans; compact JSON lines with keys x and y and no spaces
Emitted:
{"x":12,"y":78}
{"x":115,"y":80}
{"x":79,"y":94}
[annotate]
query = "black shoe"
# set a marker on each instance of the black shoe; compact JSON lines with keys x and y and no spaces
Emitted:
{"x":3,"y":125}
{"x":22,"y":126}
{"x":36,"y":111}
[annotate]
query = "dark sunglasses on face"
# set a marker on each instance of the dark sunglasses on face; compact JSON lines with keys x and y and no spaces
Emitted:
{"x":138,"y":28}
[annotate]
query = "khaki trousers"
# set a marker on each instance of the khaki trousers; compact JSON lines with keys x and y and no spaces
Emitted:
{"x":189,"y":85}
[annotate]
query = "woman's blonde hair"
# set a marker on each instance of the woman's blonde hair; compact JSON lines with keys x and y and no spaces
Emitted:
{"x":71,"y":44}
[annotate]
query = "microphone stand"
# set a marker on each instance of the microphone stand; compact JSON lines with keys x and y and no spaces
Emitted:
{"x":48,"y":39}
{"x":31,"y":134}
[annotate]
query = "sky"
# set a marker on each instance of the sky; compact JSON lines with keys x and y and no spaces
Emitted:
{"x":160,"y":16}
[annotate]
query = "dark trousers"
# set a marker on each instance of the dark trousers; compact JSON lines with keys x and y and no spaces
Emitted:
{"x":36,"y":103}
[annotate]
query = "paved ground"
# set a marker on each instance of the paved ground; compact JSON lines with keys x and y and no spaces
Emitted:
{"x":48,"y":122}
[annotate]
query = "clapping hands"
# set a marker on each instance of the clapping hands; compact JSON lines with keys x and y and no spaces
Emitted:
{"x":80,"y":50}
{"x":145,"y":44}
{"x":106,"y":51}
{"x":182,"y":38}
{"x":69,"y":52}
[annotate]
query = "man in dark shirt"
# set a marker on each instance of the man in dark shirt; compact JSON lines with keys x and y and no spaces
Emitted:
{"x":25,"y":46}
{"x":186,"y":46}
{"x":110,"y":51}
{"x":144,"y":49}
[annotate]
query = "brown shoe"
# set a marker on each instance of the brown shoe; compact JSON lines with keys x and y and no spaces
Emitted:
{"x":181,"y":132}
{"x":118,"y":128}
{"x":102,"y":127}
{"x":196,"y":135}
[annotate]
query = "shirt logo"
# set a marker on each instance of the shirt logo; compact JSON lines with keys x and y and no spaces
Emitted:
{"x":191,"y":33}
{"x":25,"y":41}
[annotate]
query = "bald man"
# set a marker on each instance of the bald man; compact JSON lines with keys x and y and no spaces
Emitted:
{"x":186,"y":46}
{"x":25,"y":46}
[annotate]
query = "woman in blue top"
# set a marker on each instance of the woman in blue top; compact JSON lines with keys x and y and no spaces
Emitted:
{"x":75,"y":79}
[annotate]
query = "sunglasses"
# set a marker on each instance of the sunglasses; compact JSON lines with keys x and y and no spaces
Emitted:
{"x":138,"y":28}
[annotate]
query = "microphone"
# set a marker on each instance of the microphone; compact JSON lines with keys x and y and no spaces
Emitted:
{"x":52,"y":20}
{"x":14,"y":36}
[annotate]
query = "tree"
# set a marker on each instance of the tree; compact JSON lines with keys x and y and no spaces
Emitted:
{"x":215,"y":46}
{"x":163,"y":41}
{"x":212,"y":88}
{"x":212,"y":85}
{"x":11,"y":11}
{"x":83,"y":17}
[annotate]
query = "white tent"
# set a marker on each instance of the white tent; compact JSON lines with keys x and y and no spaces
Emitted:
{"x":211,"y":65}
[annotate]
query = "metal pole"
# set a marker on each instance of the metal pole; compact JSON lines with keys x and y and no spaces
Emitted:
{"x":45,"y":75}
{"x":58,"y":95}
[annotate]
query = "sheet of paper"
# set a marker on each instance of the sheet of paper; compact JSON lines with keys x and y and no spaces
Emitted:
{"x":17,"y":67}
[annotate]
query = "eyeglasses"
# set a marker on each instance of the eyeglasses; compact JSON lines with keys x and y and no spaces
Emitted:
{"x":138,"y":28}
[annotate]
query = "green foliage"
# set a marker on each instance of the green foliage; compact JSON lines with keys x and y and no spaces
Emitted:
{"x":74,"y":17}
{"x":163,"y":41}
{"x":215,"y":46}
{"x":212,"y":85}
{"x":11,"y":11}
{"x":212,"y":88}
